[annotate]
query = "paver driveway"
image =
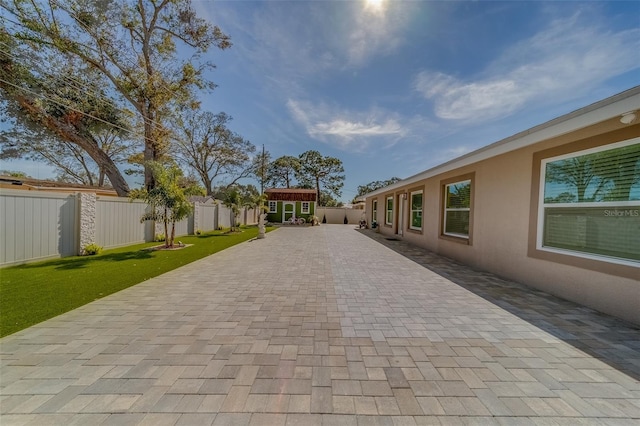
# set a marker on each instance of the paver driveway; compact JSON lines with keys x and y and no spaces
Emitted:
{"x":323,"y":325}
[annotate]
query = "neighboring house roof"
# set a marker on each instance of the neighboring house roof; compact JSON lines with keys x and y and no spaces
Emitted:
{"x":30,"y":184}
{"x":201,"y":199}
{"x":290,"y":194}
{"x":617,"y":105}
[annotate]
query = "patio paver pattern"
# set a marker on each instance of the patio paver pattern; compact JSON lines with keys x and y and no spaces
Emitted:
{"x":323,"y":326}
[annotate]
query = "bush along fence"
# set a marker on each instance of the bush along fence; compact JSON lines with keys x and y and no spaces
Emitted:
{"x":41,"y":225}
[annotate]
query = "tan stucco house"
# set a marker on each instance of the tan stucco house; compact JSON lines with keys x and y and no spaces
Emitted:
{"x":556,"y":207}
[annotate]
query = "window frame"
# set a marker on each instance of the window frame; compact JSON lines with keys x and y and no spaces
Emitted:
{"x":388,"y":212}
{"x":275,"y":204}
{"x":302,"y":209}
{"x":411,"y":210}
{"x":452,"y":209}
{"x":457,"y":238}
{"x":374,"y":211}
{"x":540,"y":223}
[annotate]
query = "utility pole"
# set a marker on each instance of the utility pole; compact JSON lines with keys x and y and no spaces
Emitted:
{"x":261,"y":209}
{"x":262,"y":172}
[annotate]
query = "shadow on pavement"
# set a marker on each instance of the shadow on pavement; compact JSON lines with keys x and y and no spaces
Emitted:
{"x":606,"y":338}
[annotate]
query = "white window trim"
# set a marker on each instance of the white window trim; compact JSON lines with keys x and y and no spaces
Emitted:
{"x":303,"y":210}
{"x":542,"y":205}
{"x":275,"y":204}
{"x":444,"y":216}
{"x":374,"y":211}
{"x":386,"y":211}
{"x":415,"y":228}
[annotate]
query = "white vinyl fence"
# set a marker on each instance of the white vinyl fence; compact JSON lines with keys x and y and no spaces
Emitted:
{"x":36,"y":225}
{"x":336,"y":215}
{"x":118,"y":222}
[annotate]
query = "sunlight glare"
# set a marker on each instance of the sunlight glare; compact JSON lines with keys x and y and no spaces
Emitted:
{"x":375,"y":5}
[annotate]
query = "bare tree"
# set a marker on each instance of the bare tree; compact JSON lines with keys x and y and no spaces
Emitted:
{"x":203,"y":141}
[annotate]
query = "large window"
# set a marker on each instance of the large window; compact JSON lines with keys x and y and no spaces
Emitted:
{"x":374,"y":212}
{"x":416,"y":211}
{"x":389,"y":217}
{"x":590,"y":203}
{"x":457,"y":209}
{"x":273,"y":206}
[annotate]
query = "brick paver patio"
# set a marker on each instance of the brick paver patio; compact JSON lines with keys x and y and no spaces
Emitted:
{"x":323,"y":326}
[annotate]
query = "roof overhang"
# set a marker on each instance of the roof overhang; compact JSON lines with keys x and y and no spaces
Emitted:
{"x":614,"y":106}
{"x":290,"y":194}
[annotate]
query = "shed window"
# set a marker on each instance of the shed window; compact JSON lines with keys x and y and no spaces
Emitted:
{"x":305,"y":207}
{"x":273,"y":206}
{"x":590,"y":203}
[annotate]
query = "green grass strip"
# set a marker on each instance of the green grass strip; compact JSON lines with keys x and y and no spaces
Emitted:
{"x":35,"y":292}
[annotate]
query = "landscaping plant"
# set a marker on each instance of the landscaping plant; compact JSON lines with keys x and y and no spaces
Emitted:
{"x":168,"y":201}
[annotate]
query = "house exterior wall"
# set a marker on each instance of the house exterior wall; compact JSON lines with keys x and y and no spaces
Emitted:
{"x":504,"y":223}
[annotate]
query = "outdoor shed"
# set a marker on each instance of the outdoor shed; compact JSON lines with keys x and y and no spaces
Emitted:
{"x":285,"y":203}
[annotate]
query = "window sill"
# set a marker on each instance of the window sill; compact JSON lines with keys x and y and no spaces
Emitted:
{"x":456,"y":239}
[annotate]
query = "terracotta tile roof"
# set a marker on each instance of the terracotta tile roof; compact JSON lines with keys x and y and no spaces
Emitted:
{"x":290,"y":194}
{"x":291,"y":190}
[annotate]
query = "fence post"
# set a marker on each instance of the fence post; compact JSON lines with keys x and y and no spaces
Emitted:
{"x":196,"y":218}
{"x":87,"y":225}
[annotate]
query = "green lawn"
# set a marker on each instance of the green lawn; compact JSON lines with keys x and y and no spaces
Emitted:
{"x":35,"y":292}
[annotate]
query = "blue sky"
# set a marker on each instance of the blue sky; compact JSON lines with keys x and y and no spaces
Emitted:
{"x":393,"y":88}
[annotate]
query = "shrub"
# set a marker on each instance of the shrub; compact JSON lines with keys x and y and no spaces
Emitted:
{"x":198,"y":232}
{"x":159,"y":237}
{"x":91,"y":249}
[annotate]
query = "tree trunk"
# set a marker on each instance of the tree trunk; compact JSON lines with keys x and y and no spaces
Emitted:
{"x":166,"y":228}
{"x":149,"y":155}
{"x":70,"y":134}
{"x":208,"y":184}
{"x":318,"y":191}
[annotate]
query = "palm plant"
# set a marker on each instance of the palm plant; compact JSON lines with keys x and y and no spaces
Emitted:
{"x":168,"y":201}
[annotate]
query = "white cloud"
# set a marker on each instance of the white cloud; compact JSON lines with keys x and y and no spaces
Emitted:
{"x":347,"y":130}
{"x":566,"y":60}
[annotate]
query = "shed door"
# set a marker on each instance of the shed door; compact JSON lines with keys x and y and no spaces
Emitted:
{"x":287,"y":211}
